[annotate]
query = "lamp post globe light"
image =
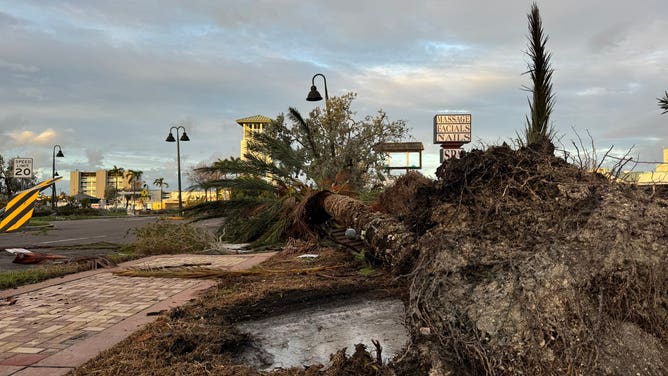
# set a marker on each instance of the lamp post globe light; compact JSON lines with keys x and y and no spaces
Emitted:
{"x":54,"y":173}
{"x":183,"y":137}
{"x":314,"y":95}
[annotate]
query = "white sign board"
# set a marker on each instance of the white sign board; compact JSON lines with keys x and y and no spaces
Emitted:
{"x":452,"y":129}
{"x":22,"y":168}
{"x":450,"y":153}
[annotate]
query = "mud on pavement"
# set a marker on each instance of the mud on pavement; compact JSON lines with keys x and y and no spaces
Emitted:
{"x":203,"y":337}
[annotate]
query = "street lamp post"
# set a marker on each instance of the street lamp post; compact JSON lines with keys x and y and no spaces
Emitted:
{"x":145,"y":195}
{"x":54,"y":173}
{"x":314,"y":95}
{"x":170,"y":138}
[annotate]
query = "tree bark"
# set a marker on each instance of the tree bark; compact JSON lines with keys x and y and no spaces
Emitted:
{"x":389,"y":240}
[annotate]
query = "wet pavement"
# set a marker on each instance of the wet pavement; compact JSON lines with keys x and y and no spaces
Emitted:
{"x":309,"y":336}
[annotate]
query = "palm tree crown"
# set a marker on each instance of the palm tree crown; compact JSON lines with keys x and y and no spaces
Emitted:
{"x":663,"y":103}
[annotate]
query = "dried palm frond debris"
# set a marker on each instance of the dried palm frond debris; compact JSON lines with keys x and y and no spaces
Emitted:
{"x":199,"y":271}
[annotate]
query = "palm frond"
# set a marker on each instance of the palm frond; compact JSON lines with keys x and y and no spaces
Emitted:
{"x":663,"y":103}
{"x":305,"y":127}
{"x":261,"y":227}
{"x":243,"y":183}
{"x":226,"y":166}
{"x":280,"y":151}
{"x":259,"y":165}
{"x":224,"y":208}
{"x":542,"y":102}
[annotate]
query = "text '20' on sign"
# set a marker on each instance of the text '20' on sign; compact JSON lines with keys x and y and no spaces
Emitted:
{"x":22,"y":168}
{"x":452,"y":128}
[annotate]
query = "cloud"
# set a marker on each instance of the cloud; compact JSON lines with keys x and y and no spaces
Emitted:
{"x":116,"y":75}
{"x":31,"y":138}
{"x":95,"y":158}
{"x":609,"y":38}
{"x":17,"y":67}
{"x":7,"y":21}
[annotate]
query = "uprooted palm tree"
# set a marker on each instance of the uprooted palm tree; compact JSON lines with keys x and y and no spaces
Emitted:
{"x":264,"y":192}
{"x":287,"y":162}
{"x":541,"y":104}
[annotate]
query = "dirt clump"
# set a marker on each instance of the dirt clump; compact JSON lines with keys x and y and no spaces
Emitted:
{"x":529,"y":265}
{"x":398,"y":198}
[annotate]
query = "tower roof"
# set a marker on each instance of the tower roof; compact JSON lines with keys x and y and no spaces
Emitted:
{"x":254,"y":119}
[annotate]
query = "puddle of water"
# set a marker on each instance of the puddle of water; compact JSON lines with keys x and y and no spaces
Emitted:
{"x":309,"y":336}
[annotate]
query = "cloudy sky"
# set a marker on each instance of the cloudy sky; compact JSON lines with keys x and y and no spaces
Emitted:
{"x":107,"y":79}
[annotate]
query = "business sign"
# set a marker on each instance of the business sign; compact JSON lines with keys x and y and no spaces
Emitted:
{"x":22,"y":168}
{"x":450,"y":153}
{"x":452,"y":129}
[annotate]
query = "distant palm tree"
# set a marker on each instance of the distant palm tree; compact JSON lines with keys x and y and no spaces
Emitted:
{"x":116,"y":172}
{"x":160,"y":182}
{"x":134,"y":179}
{"x":663,"y":103}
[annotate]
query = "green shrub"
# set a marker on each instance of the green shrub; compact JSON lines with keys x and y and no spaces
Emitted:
{"x":165,"y":237}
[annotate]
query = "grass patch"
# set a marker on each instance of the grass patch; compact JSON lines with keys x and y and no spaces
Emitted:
{"x":13,"y":279}
{"x":96,"y":245}
{"x":39,"y":221}
{"x":126,"y":254}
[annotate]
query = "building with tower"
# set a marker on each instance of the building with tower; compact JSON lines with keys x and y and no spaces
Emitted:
{"x":251,"y":125}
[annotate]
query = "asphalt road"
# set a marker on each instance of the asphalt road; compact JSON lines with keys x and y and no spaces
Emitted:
{"x":66,"y":234}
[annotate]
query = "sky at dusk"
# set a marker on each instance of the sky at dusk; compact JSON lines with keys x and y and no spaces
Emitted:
{"x":107,"y":79}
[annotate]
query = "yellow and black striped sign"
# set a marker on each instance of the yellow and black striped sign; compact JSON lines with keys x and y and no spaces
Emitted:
{"x":20,"y":207}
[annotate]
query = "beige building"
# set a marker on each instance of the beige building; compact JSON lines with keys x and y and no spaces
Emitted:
{"x":171,"y":199}
{"x":96,"y":183}
{"x":251,"y":125}
{"x":657,"y":177}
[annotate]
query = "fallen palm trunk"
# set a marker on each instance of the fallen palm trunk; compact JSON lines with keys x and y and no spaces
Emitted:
{"x":389,"y":240}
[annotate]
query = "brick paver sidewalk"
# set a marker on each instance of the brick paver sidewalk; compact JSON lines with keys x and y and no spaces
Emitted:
{"x":57,"y":325}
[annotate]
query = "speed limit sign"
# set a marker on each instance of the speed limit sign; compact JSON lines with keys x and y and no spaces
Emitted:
{"x":22,"y":168}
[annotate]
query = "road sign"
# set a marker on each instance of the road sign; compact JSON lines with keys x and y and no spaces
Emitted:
{"x":144,"y":192}
{"x":22,"y":168}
